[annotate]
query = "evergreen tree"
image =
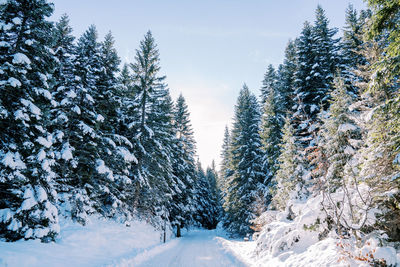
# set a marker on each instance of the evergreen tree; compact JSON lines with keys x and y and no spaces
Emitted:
{"x":317,"y":61}
{"x":291,"y":169}
{"x":182,"y":205}
{"x":212,"y":177}
{"x":27,"y":198}
{"x":114,"y":148}
{"x":63,"y":116}
{"x":325,"y":55}
{"x":305,"y":100}
{"x":65,"y":121}
{"x":271,"y":130}
{"x":339,"y":136}
{"x":268,"y":84}
{"x":246,"y":179}
{"x":385,"y":21}
{"x":351,"y":46}
{"x":286,"y":78}
{"x":207,"y":212}
{"x":225,"y":169}
{"x":154,"y":131}
{"x":87,"y":135}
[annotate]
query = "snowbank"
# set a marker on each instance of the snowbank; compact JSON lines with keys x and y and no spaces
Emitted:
{"x":98,"y":243}
{"x":299,"y":242}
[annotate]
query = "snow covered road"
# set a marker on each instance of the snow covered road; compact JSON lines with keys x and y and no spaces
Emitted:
{"x":196,"y":248}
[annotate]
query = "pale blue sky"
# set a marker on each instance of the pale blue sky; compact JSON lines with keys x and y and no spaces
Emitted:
{"x":208,"y":48}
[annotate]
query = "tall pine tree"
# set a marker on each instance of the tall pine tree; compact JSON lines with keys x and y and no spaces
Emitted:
{"x":246,"y":179}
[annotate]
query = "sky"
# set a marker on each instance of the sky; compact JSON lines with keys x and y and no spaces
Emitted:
{"x":208,"y":48}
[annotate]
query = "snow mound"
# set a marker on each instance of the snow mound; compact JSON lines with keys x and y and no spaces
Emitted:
{"x":299,"y":237}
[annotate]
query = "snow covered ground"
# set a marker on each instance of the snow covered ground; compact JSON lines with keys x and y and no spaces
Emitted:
{"x":99,"y":243}
{"x":108,"y":243}
{"x":197,"y":248}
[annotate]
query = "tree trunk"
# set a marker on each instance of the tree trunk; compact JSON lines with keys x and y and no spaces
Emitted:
{"x":178,"y":230}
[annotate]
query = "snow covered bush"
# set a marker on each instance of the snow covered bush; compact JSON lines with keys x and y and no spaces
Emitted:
{"x":308,"y":240}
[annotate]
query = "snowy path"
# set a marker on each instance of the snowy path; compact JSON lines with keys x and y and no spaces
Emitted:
{"x":196,"y":248}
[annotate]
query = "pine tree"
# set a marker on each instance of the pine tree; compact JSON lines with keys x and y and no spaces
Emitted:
{"x":291,"y":169}
{"x":268,"y":83}
{"x":154,"y":132}
{"x":385,"y":21}
{"x":340,"y":133}
{"x":86,"y":135}
{"x":351,"y":46}
{"x":115,"y":150}
{"x":317,"y":61}
{"x":225,"y":169}
{"x":286,"y":78}
{"x":65,"y":121}
{"x":207,"y":212}
{"x":305,"y":100}
{"x":63,"y":116}
{"x":340,"y":141}
{"x":326,"y":59}
{"x":246,"y":179}
{"x":380,"y":164}
{"x":27,"y":201}
{"x":271,"y":130}
{"x":182,"y":204}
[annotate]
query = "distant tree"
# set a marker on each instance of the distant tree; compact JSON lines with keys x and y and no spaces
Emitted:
{"x":207,"y":212}
{"x":184,"y":168}
{"x":225,"y":168}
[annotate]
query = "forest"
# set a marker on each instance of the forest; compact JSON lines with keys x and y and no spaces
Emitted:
{"x":316,"y":153}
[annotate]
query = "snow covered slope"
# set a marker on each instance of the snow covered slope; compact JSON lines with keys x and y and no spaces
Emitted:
{"x":99,"y":243}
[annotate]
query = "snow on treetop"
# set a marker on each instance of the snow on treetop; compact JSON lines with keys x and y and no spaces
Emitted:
{"x":66,"y":152}
{"x":41,"y":194}
{"x":32,"y":107}
{"x":103,"y":169}
{"x":14,"y":82}
{"x":13,"y":161}
{"x":47,"y":142}
{"x":126,"y":155}
{"x":20,"y":58}
{"x":17,"y":21}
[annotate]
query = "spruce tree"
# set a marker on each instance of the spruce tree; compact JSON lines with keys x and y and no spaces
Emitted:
{"x":65,"y":121}
{"x":246,"y":179}
{"x":317,"y":62}
{"x":86,"y":136}
{"x":63,"y":116}
{"x":225,"y":168}
{"x":268,"y":83}
{"x":291,"y":169}
{"x":207,"y":212}
{"x":152,"y":122}
{"x":339,"y":133}
{"x":351,"y":45}
{"x":182,"y":204}
{"x":271,"y":130}
{"x":27,"y":198}
{"x":286,"y":78}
